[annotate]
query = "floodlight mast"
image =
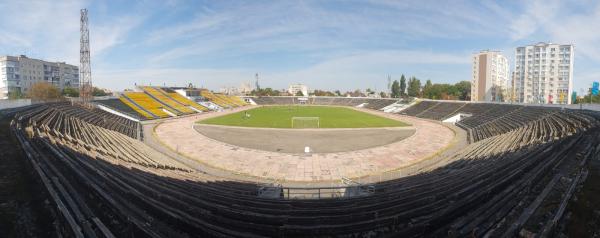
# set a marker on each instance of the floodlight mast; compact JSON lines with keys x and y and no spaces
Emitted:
{"x":85,"y":72}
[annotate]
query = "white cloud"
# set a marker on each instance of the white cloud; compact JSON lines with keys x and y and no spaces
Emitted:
{"x":358,"y":70}
{"x":109,"y":34}
{"x":537,"y":13}
{"x":45,"y":29}
{"x":185,"y":30}
{"x":365,"y":69}
{"x":561,"y":22}
{"x":50,"y":30}
{"x":122,"y":79}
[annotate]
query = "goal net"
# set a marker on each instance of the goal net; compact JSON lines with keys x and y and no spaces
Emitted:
{"x":305,"y":122}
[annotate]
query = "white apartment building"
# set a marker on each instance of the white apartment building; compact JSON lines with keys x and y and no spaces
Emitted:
{"x":18,"y":73}
{"x":544,"y":73}
{"x":295,"y":88}
{"x":490,"y":76}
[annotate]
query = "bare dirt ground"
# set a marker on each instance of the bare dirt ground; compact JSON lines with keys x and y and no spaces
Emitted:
{"x":295,"y":140}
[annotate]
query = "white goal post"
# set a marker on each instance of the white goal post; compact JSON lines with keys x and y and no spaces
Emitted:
{"x":306,"y":122}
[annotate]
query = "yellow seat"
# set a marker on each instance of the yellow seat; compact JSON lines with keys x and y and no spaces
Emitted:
{"x":167,"y":100}
{"x":213,"y":98}
{"x":136,"y":108}
{"x":183,"y":100}
{"x":146,"y":102}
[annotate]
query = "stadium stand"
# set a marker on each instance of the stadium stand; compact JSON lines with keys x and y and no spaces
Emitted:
{"x":108,"y":184}
{"x":216,"y":99}
{"x":145,"y":113}
{"x":184,"y":101}
{"x":264,"y":101}
{"x":441,"y":111}
{"x":475,"y":108}
{"x":377,"y":104}
{"x":230,"y":100}
{"x":419,"y":108}
{"x":173,"y":105}
{"x":371,"y":103}
{"x":118,"y":105}
{"x":147,"y":103}
{"x":236,"y":100}
{"x":156,"y":103}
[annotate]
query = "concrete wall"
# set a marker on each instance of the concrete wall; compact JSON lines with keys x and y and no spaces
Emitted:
{"x":5,"y":103}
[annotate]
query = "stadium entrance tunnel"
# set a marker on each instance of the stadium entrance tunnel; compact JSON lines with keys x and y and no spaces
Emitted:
{"x":295,"y":141}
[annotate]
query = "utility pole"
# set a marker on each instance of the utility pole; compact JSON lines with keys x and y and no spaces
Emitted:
{"x":257,"y":85}
{"x":85,"y":72}
{"x":389,"y":85}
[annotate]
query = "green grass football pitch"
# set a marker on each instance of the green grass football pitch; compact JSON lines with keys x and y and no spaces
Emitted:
{"x":281,"y":117}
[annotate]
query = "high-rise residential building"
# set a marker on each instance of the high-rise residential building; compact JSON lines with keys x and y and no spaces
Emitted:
{"x":544,"y":73}
{"x":490,"y":76}
{"x":295,"y":88}
{"x":18,"y":73}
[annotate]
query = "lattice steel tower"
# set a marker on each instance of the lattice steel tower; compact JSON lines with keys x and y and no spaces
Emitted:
{"x":85,"y":71}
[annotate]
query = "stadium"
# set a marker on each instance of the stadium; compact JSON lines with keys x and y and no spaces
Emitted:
{"x":153,"y":163}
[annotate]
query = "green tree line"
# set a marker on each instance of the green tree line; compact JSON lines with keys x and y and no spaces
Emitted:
{"x":413,"y":88}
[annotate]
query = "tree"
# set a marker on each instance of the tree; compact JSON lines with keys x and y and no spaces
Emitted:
{"x":15,"y":94}
{"x":97,"y":92}
{"x":464,"y":90}
{"x":458,"y":91}
{"x":268,"y":92}
{"x":427,"y":88}
{"x":427,"y":84}
{"x":299,"y":93}
{"x":382,"y":94}
{"x":396,"y":93}
{"x":43,"y":91}
{"x":414,"y":87}
{"x":337,"y":92}
{"x":323,"y":93}
{"x":70,"y":92}
{"x":402,"y":86}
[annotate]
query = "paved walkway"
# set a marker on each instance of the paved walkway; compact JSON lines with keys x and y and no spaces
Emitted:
{"x":179,"y":135}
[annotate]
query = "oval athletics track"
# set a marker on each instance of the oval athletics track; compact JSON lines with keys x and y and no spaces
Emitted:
{"x":428,"y":139}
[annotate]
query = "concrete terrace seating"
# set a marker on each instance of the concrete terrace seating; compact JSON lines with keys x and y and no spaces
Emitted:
{"x":481,"y":188}
{"x":493,"y":111}
{"x":371,"y":103}
{"x":283,"y":100}
{"x":264,"y":100}
{"x":215,"y":98}
{"x":147,"y":103}
{"x":441,"y":111}
{"x":165,"y":99}
{"x":236,"y":100}
{"x":75,"y":126}
{"x":139,"y":110}
{"x":100,"y":118}
{"x":118,"y":105}
{"x":487,"y":127}
{"x":232,"y":100}
{"x":183,"y":100}
{"x":418,"y":108}
{"x":377,"y":104}
{"x":475,"y":108}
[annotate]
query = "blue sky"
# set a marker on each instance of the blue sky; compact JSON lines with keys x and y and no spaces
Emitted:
{"x":325,"y":44}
